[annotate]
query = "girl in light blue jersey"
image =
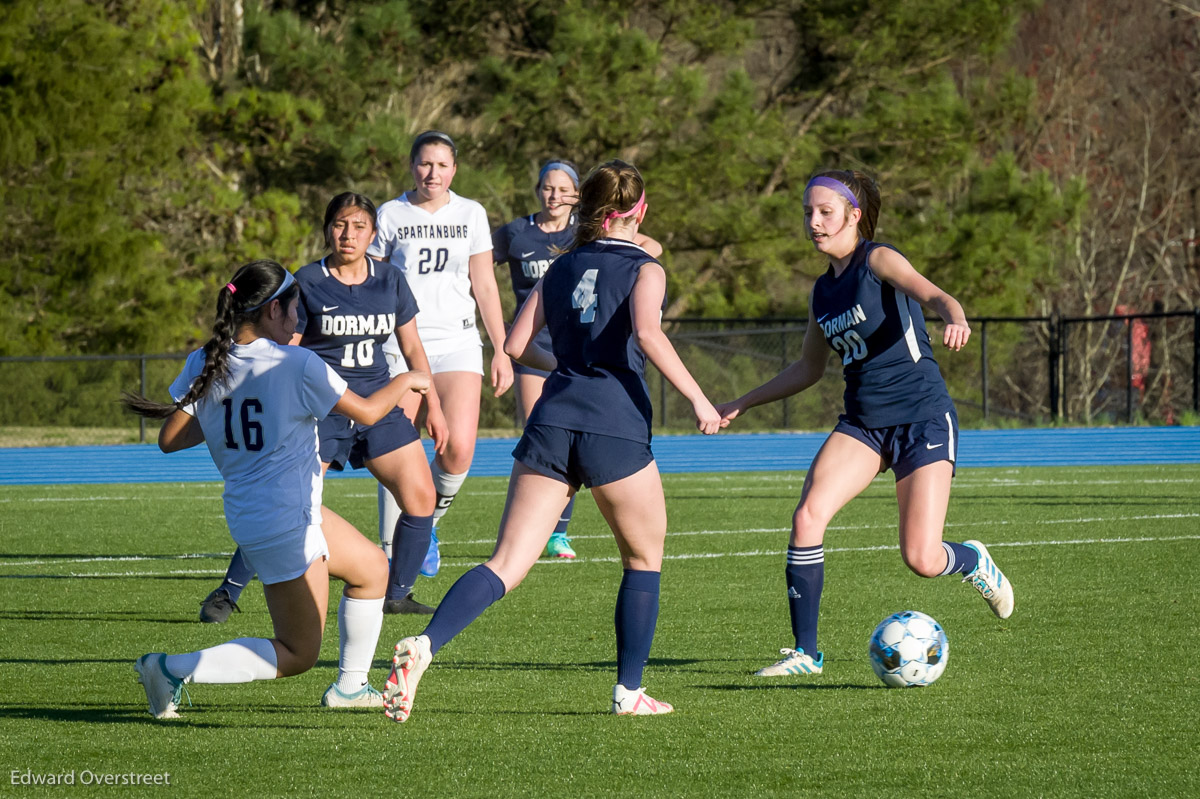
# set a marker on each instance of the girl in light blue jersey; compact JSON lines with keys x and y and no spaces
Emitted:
{"x":256,"y":402}
{"x":867,"y":308}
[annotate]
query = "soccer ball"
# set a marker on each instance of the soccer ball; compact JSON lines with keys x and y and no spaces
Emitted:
{"x":908,"y":649}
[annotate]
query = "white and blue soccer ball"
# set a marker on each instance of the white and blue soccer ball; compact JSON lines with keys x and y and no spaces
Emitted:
{"x":908,"y":649}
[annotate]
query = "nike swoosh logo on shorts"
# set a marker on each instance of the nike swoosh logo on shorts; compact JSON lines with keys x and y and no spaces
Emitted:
{"x":327,"y":309}
{"x":932,"y":446}
{"x":527,"y":254}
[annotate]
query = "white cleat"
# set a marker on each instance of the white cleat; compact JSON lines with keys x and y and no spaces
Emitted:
{"x":794,"y":661}
{"x":637,"y":702}
{"x":162,"y":690}
{"x":989,"y":581}
{"x":364,"y":697}
{"x":411,"y":658}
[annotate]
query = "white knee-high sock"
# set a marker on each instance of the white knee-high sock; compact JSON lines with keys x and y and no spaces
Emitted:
{"x":240,"y":660}
{"x":359,"y":623}
{"x":446,"y":485}
{"x":389,"y":515}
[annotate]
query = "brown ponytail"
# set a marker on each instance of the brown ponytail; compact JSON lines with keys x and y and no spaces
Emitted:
{"x":240,"y":301}
{"x":613,"y":187}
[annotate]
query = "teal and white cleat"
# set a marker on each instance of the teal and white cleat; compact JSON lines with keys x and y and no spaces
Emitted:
{"x":433,"y":557}
{"x":637,"y":703}
{"x":411,"y":658}
{"x":559,"y":546}
{"x":989,"y":581}
{"x":366,"y":697}
{"x":163,"y":691}
{"x":794,"y":661}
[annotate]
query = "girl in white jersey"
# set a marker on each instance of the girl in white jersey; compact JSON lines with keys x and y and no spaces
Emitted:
{"x":256,"y":404}
{"x":443,"y":244}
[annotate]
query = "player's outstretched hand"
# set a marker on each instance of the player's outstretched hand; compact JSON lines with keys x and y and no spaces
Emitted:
{"x":708,"y":421}
{"x":955,"y":337}
{"x":419,"y":381}
{"x":729,"y":411}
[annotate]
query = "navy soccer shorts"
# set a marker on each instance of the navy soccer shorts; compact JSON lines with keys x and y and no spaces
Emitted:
{"x":907,"y":447}
{"x":344,"y":441}
{"x":577,"y":458}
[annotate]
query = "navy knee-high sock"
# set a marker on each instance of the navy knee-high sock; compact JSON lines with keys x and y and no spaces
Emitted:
{"x":960,"y":559}
{"x":565,"y":518}
{"x":805,"y":575}
{"x":470,"y":596}
{"x":636,"y":617}
{"x":409,"y":545}
{"x":238,"y":575}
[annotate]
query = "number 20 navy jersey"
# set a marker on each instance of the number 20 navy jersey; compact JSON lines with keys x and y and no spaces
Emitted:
{"x":599,"y":385}
{"x":879,"y":333}
{"x":347,"y":325}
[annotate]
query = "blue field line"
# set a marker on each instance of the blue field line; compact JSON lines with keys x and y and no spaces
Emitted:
{"x":744,"y":452}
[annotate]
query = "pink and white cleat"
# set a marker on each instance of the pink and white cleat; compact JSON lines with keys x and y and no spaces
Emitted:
{"x":411,"y":658}
{"x":637,"y":703}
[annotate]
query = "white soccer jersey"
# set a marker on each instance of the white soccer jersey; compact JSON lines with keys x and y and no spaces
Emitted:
{"x":433,"y":251}
{"x":261,"y":428}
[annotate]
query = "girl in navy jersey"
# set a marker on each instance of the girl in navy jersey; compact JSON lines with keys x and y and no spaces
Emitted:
{"x":602,"y":302}
{"x":867,"y":308}
{"x":350,"y":305}
{"x":528,"y":245}
{"x":256,"y":404}
{"x":441,"y":242}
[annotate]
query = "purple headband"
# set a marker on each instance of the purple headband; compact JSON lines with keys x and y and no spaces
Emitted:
{"x":835,"y":185}
{"x":637,"y":206}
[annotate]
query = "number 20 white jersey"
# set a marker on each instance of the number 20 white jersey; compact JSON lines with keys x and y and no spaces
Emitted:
{"x":434,"y":250}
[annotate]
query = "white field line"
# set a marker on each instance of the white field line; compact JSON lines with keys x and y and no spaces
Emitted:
{"x":685,"y":556}
{"x":754,"y":553}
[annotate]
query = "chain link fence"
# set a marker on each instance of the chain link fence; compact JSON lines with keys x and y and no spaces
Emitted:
{"x":1016,"y":371}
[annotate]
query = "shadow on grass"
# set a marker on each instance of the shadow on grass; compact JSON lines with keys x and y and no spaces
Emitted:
{"x":793,"y":686}
{"x":190,"y":717}
{"x":474,"y":665}
{"x":76,"y":616}
{"x":206,"y":578}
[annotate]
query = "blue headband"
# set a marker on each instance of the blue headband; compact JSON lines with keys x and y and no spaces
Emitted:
{"x":562,"y":167}
{"x":287,"y":281}
{"x":835,"y":185}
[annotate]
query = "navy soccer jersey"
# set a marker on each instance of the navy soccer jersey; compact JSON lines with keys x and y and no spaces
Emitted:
{"x":347,"y":325}
{"x":599,"y":385}
{"x":879,"y":333}
{"x":528,"y":250}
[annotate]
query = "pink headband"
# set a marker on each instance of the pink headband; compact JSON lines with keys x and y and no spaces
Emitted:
{"x":232,"y":288}
{"x":637,"y":206}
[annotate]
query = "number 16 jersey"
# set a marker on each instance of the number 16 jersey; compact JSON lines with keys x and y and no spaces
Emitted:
{"x":879,"y":333}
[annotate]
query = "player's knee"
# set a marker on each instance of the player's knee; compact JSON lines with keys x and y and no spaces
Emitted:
{"x":301,"y":656}
{"x":926,"y":562}
{"x":808,"y":528}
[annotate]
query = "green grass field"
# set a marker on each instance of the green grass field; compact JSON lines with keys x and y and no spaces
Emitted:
{"x":1090,"y":689}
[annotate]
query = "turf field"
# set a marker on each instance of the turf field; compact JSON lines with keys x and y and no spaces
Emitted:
{"x":1091,"y":688}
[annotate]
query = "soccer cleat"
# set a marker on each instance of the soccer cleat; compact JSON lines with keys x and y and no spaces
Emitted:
{"x":988,"y":580}
{"x":559,"y":546}
{"x":411,"y":658}
{"x":217,"y":607}
{"x":637,"y":702}
{"x":407,"y":605}
{"x":366,"y":697}
{"x":163,"y":691}
{"x":433,"y":557}
{"x":794,"y":661}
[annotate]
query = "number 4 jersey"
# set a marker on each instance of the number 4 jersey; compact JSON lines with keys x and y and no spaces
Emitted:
{"x":260,"y":425}
{"x":879,"y":333}
{"x":599,"y":385}
{"x":347,"y":325}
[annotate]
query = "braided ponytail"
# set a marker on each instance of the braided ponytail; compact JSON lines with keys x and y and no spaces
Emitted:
{"x":612,"y":189}
{"x":241,"y":301}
